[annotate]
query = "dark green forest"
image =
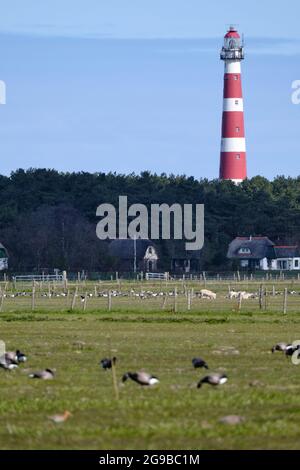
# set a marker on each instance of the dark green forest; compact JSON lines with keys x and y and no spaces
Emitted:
{"x":48,"y":219}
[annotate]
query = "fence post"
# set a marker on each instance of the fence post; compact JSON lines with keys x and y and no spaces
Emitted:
{"x":74,"y":298}
{"x":240,"y":301}
{"x":285,"y":300}
{"x":33,"y":297}
{"x":109,"y":301}
{"x":204,"y":278}
{"x":260,"y":296}
{"x":189,"y":300}
{"x":114,"y":376}
{"x":84,"y":302}
{"x":1,"y":301}
{"x":266,"y":298}
{"x":164,"y":301}
{"x":175,"y":299}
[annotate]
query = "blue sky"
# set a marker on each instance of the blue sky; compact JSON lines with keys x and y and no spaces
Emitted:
{"x":133,"y":85}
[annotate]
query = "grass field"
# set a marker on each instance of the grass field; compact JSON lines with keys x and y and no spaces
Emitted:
{"x":175,"y":414}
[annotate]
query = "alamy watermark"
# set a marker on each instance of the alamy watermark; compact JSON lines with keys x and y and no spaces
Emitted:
{"x":296,"y":354}
{"x":133,"y":222}
{"x":295,"y":96}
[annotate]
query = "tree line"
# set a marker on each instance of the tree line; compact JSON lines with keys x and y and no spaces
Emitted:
{"x":48,"y":219}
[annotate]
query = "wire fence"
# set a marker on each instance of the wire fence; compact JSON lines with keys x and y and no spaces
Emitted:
{"x":164,"y":295}
{"x":141,"y":276}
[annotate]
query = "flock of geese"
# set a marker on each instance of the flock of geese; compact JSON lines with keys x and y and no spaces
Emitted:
{"x":145,"y":379}
{"x":141,"y":294}
{"x":12,"y":359}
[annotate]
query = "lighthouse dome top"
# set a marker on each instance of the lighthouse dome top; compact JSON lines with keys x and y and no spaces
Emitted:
{"x":232,"y":33}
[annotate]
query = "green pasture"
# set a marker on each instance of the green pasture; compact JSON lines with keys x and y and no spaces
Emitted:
{"x":263,"y":388}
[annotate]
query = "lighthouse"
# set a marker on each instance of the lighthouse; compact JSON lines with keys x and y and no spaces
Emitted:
{"x":233,"y":147}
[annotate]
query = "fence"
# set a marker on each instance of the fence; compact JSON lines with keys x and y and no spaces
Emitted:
{"x":39,"y":278}
{"x":158,"y":276}
{"x":204,"y":276}
{"x":152,"y":295}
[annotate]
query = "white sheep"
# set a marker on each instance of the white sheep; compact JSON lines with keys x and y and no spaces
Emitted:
{"x":207,"y":294}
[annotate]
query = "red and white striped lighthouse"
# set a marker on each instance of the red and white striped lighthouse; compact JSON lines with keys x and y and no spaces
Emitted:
{"x":233,"y":148}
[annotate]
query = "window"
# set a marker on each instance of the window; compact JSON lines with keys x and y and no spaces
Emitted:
{"x":237,"y":129}
{"x":236,"y":102}
{"x":236,"y":77}
{"x":244,"y":263}
{"x":281,"y":264}
{"x":245,"y":251}
{"x":237,"y":156}
{"x":296,"y":263}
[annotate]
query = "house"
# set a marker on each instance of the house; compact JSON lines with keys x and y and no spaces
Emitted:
{"x":3,"y":258}
{"x":181,"y":260}
{"x":287,"y":257}
{"x":262,"y":253}
{"x":131,"y":255}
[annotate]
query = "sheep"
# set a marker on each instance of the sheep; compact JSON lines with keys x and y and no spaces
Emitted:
{"x":240,"y":294}
{"x":247,"y":295}
{"x":233,"y":294}
{"x":207,"y":294}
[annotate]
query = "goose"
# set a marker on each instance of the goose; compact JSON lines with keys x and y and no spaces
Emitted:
{"x":142,"y":378}
{"x":279,"y":347}
{"x":10,"y":356}
{"x":198,"y":362}
{"x":21,"y":357}
{"x":9,"y":360}
{"x":46,"y":374}
{"x":7,"y":364}
{"x":15,"y":356}
{"x":60,"y":418}
{"x":213,"y":379}
{"x":107,"y":363}
{"x":291,"y":348}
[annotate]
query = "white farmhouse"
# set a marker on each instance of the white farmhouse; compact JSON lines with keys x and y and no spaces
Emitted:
{"x":261,"y":253}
